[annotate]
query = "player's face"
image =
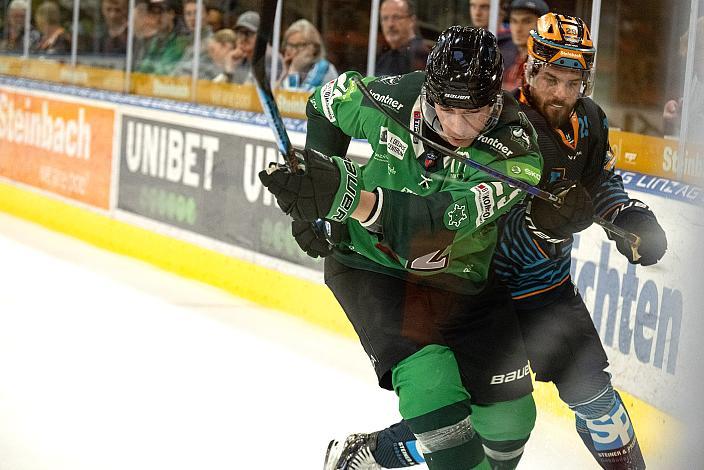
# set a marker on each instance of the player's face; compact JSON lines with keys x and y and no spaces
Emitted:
{"x":461,"y":126}
{"x":555,"y":91}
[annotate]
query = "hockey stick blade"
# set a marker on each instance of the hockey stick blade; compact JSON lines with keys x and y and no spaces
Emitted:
{"x":266,"y":96}
{"x":632,"y":238}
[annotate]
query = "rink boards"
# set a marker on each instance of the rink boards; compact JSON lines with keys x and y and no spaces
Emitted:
{"x":176,"y":185}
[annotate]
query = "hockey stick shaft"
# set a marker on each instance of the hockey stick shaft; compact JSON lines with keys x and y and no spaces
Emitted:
{"x":632,"y":238}
{"x":266,"y":96}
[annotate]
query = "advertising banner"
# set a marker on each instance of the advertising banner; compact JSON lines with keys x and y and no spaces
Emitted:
{"x":204,"y":181}
{"x":657,"y":156}
{"x":645,"y":314}
{"x":60,"y":146}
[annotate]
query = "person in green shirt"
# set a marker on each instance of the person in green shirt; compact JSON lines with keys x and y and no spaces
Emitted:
{"x":414,"y":233}
{"x":165,"y":49}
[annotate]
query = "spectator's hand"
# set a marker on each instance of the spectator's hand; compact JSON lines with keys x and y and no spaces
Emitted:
{"x":233,"y":59}
{"x":671,"y":111}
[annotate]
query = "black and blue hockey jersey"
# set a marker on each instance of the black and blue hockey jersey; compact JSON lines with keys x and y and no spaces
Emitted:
{"x":533,"y":268}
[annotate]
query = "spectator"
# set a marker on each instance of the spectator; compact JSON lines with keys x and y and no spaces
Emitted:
{"x":523,"y":17}
{"x":190,"y":11}
{"x":238,"y":63}
{"x":406,"y":50}
{"x":305,"y":65}
{"x":479,"y":13}
{"x":112,"y":33}
{"x":53,"y":39}
{"x":214,"y":18}
{"x":13,"y":39}
{"x":672,"y":111}
{"x":165,"y":49}
{"x":146,"y":26}
{"x":211,"y":65}
{"x":185,"y":66}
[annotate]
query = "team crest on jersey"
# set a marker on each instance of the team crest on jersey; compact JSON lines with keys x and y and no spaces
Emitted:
{"x":456,"y":216}
{"x":390,"y":80}
{"x":520,"y":136}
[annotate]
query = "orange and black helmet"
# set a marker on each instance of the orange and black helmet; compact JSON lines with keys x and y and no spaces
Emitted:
{"x":562,"y":40}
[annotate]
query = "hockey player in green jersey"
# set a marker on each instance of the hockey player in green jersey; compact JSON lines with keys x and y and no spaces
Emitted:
{"x":414,"y":235}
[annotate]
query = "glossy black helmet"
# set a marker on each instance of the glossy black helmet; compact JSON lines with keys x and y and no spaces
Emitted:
{"x":464,"y":68}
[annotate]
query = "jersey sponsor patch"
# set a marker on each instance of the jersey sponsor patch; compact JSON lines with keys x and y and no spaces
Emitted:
{"x":484,"y":200}
{"x":394,"y":144}
{"x":496,"y":144}
{"x":456,"y":216}
{"x":524,"y":172}
{"x":329,"y":92}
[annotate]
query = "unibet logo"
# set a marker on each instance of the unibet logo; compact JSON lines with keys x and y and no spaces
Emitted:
{"x":496,"y":144}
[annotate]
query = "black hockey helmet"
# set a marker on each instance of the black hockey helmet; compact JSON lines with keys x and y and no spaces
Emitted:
{"x":464,"y":69}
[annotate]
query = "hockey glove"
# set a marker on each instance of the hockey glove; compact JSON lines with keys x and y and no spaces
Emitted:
{"x":327,"y":188}
{"x":318,"y":238}
{"x":636,"y":217}
{"x":556,"y":224}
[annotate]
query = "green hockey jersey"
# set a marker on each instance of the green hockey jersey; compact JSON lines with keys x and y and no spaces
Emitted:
{"x":437,"y":215}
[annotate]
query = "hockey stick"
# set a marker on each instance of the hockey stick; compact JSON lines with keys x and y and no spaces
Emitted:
{"x":266,"y":96}
{"x":632,"y":238}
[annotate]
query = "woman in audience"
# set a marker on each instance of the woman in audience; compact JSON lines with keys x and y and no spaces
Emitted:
{"x":54,"y":39}
{"x":305,"y":65}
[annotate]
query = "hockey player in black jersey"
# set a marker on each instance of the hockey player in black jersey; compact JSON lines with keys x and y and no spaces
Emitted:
{"x":534,"y":260}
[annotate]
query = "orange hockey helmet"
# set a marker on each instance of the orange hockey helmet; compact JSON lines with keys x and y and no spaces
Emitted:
{"x":563,"y":41}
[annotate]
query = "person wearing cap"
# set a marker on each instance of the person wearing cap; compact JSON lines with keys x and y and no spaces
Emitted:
{"x":523,"y":16}
{"x":238,"y":64}
{"x":166,"y":48}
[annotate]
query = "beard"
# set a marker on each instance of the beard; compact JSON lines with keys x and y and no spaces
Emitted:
{"x":556,"y":116}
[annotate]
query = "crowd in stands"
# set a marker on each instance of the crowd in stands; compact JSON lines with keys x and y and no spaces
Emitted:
{"x":164,"y":31}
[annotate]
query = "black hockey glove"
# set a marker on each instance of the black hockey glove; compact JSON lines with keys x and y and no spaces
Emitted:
{"x":555,"y":224}
{"x":636,"y":217}
{"x":326,"y":188}
{"x":318,"y":238}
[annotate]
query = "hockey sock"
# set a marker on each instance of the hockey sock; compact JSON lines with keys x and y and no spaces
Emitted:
{"x":396,"y":447}
{"x":504,"y":428}
{"x":436,"y":408}
{"x":611,"y":432}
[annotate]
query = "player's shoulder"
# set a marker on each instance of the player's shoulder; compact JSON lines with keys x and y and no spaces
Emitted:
{"x":513,"y":135}
{"x":587,"y":107}
{"x":398,"y":92}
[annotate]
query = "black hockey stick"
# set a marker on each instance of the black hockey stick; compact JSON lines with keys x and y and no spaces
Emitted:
{"x":632,"y":238}
{"x":266,"y":96}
